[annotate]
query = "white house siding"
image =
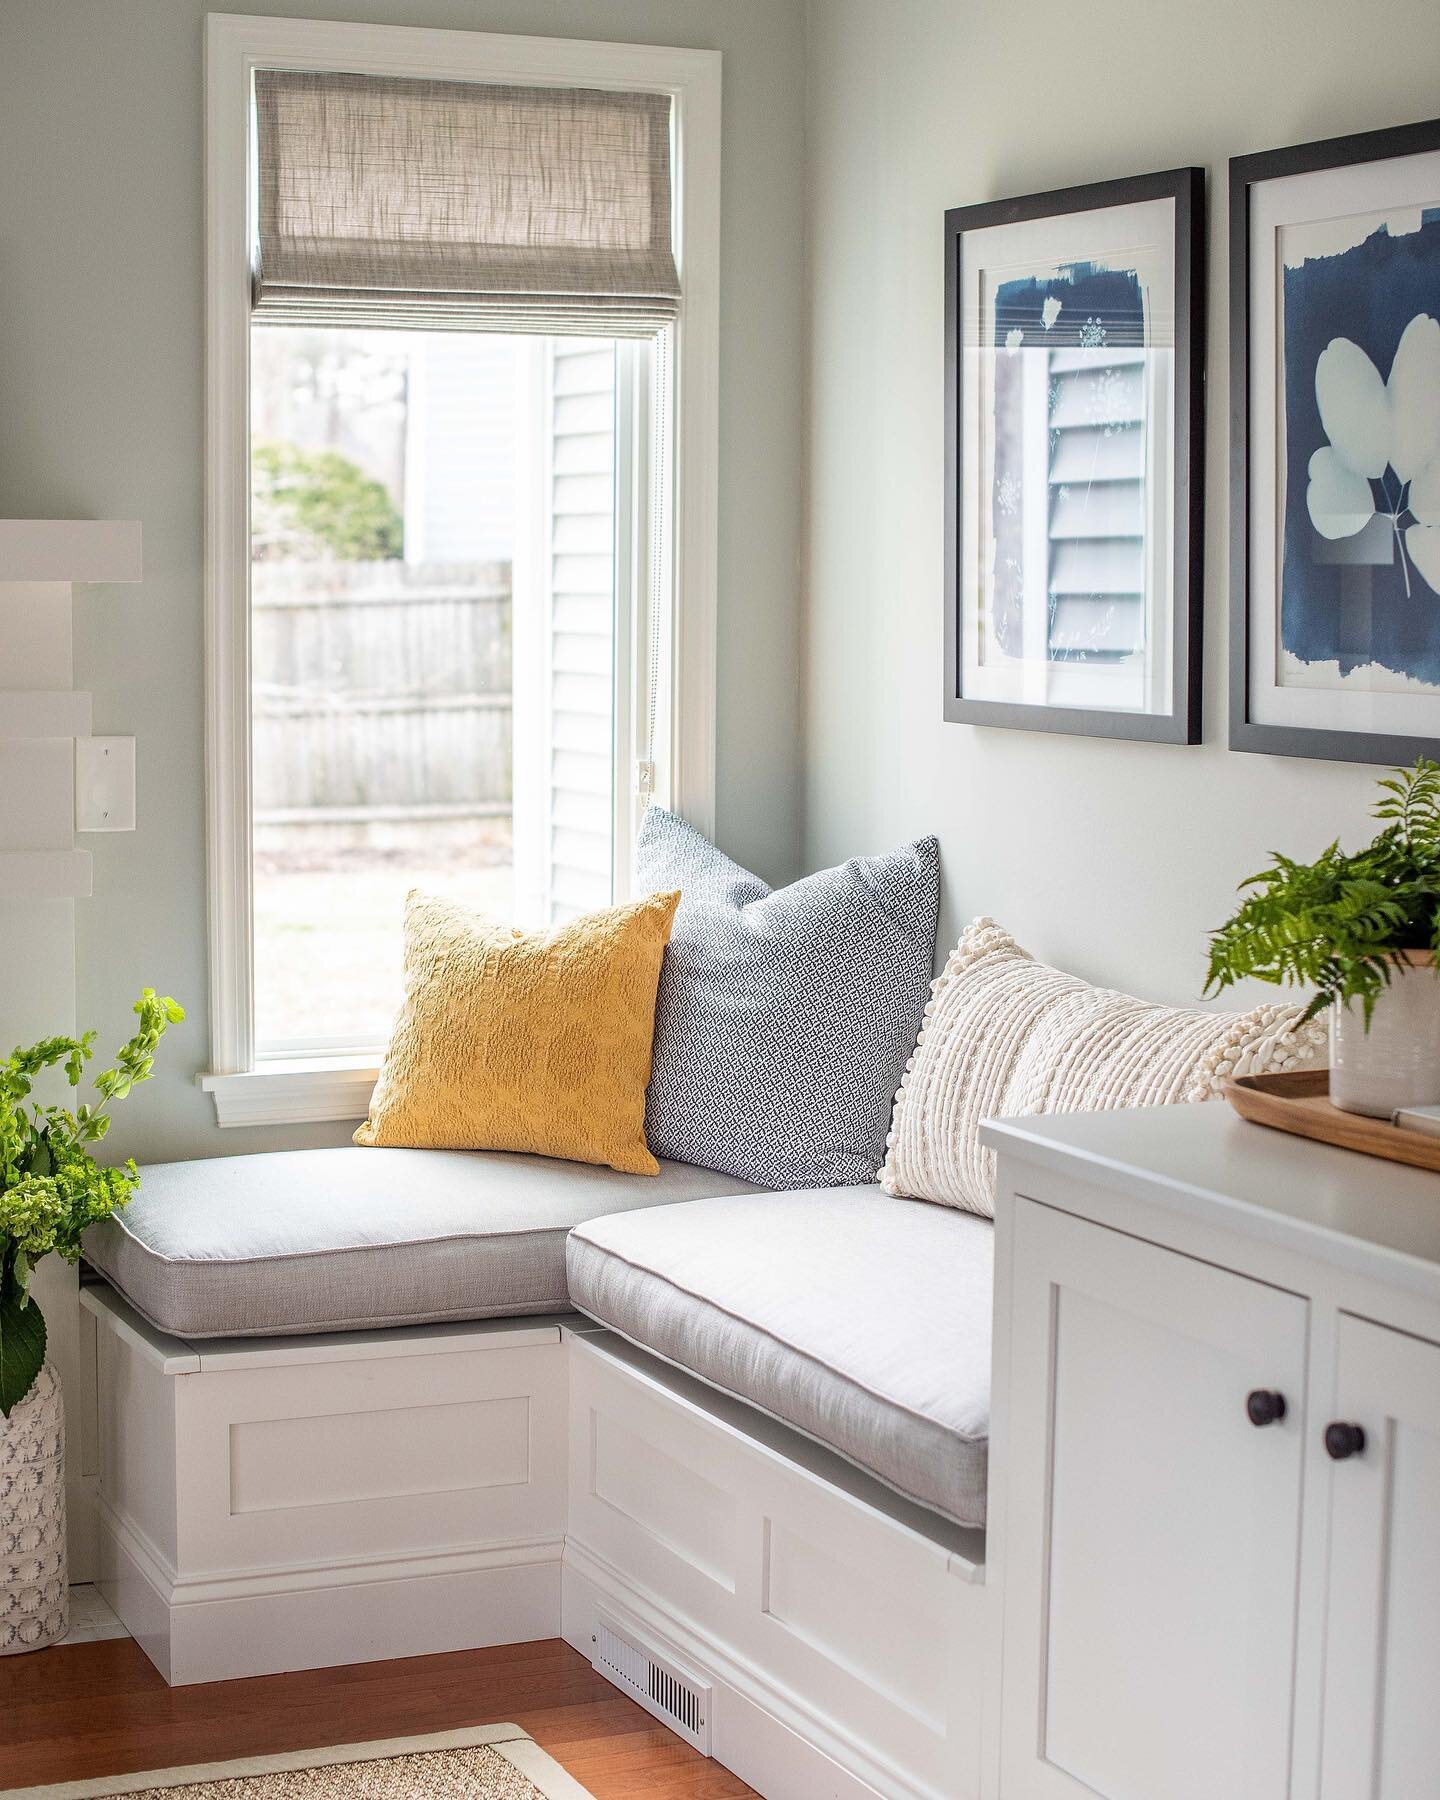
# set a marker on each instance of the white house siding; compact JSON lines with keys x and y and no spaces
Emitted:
{"x":581,"y":567}
{"x":460,"y":482}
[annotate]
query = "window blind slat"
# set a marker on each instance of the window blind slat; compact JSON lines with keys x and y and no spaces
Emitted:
{"x":395,"y":201}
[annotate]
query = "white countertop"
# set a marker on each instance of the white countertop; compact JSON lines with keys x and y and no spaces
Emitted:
{"x":1380,"y":1218}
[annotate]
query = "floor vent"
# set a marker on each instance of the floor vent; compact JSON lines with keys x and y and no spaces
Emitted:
{"x":659,"y":1683}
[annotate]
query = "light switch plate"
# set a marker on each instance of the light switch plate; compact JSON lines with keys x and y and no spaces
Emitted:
{"x":105,"y":784}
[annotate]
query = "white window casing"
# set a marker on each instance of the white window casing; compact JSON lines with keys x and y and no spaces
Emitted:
{"x":665,"y":641}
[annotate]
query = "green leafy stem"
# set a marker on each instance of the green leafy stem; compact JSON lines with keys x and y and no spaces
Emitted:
{"x":51,"y":1187}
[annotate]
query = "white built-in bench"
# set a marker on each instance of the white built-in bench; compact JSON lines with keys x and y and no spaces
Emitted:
{"x":287,"y":1499}
{"x":1209,"y":1565}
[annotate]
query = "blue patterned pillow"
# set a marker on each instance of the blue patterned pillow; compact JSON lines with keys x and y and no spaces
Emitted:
{"x":784,"y":1019}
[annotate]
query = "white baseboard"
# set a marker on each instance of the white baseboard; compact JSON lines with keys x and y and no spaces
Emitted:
{"x":224,"y":1628}
{"x":128,"y":1583}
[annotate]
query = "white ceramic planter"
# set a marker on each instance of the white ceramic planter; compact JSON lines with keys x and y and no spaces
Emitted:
{"x":1397,"y":1063}
{"x":34,"y":1597}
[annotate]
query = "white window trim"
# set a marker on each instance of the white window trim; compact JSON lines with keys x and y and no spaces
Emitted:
{"x":297,"y":1090}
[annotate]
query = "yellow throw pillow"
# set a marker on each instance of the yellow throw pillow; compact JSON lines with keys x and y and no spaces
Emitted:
{"x":510,"y":1040}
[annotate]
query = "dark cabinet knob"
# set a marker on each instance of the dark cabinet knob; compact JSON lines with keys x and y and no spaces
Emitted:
{"x":1342,"y":1441}
{"x":1264,"y":1406}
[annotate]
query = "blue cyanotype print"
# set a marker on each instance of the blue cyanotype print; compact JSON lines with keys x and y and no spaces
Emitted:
{"x":1081,"y":306}
{"x":1360,"y":586}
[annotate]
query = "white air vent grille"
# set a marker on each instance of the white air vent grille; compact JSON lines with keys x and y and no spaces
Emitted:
{"x":676,"y":1698}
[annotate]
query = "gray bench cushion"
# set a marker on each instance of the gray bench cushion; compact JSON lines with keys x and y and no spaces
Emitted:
{"x":861,"y":1320}
{"x":338,"y":1240}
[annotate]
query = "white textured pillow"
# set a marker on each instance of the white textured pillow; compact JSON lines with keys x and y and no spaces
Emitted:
{"x":1006,"y":1035}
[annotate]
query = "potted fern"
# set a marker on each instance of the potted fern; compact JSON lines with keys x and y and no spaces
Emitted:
{"x":1362,"y":929}
{"x":51,"y":1188}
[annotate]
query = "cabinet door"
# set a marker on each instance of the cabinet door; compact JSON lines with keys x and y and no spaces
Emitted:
{"x":1152,"y":1530}
{"x":1382,"y":1652}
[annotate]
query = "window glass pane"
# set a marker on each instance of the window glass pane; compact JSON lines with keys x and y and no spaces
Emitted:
{"x":395,"y":476}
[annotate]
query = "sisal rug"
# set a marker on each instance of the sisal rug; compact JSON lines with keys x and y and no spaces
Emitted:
{"x":491,"y":1762}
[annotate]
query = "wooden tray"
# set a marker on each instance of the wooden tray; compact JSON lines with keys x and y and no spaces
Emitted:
{"x":1300,"y":1103}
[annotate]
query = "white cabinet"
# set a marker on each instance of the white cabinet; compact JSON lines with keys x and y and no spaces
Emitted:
{"x":1154,"y":1529}
{"x":1215,"y":1480}
{"x":1382,"y":1708}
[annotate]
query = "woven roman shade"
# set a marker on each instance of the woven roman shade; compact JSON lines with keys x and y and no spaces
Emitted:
{"x":386,"y":200}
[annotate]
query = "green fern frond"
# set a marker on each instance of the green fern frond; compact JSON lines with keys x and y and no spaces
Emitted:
{"x":1337,"y":925}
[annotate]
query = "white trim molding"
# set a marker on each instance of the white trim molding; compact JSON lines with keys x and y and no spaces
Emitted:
{"x":297,"y":1091}
{"x":235,"y":46}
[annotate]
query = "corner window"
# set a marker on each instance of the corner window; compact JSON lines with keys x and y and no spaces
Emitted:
{"x":450,"y":654}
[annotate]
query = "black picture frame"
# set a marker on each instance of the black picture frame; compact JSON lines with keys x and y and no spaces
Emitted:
{"x":1183,"y":722}
{"x":1333,"y":744}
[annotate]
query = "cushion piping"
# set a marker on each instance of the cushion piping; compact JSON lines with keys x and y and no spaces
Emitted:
{"x":346,"y":1324}
{"x":283,"y":1256}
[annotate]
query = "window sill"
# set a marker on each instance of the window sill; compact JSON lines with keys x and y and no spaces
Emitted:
{"x":308,"y":1092}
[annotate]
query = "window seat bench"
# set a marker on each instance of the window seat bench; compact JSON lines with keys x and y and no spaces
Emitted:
{"x":760,"y":1460}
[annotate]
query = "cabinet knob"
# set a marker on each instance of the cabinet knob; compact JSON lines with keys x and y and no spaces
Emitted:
{"x":1264,"y":1406}
{"x":1342,"y":1441}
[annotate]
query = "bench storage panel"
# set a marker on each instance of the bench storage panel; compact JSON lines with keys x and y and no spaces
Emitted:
{"x":841,"y":1628}
{"x":296,"y":1503}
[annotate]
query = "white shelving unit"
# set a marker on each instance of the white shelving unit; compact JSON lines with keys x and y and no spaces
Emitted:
{"x":40,"y":559}
{"x":42,"y":872}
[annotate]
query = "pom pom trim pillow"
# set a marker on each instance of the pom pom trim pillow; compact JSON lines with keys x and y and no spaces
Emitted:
{"x":537,"y":1042}
{"x":1004,"y":1035}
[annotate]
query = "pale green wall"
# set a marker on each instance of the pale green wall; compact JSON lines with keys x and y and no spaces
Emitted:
{"x":1111,"y":858}
{"x":100,"y":415}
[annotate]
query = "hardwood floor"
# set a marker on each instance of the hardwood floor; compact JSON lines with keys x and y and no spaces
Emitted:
{"x":101,"y":1709}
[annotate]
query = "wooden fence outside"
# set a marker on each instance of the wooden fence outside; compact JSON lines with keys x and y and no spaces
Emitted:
{"x":382,"y":691}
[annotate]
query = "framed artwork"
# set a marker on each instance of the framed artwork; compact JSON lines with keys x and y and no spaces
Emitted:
{"x":1074,"y":369}
{"x":1335,"y":448}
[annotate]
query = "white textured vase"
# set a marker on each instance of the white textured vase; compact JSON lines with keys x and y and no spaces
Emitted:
{"x":34,"y":1597}
{"x":1397,"y":1062}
